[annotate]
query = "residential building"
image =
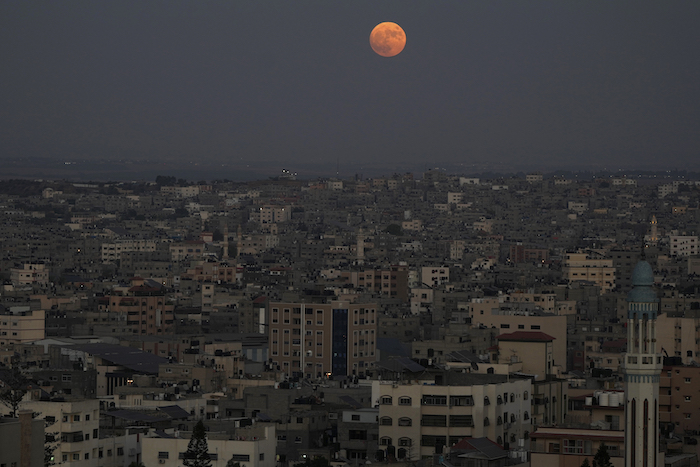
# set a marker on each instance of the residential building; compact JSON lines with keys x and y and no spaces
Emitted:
{"x":253,"y":445}
{"x":30,"y":274}
{"x":20,"y":324}
{"x":422,"y":417}
{"x":683,"y":245}
{"x":589,"y":267}
{"x":568,"y":447}
{"x":322,"y":340}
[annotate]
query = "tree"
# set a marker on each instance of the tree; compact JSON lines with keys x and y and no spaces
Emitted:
{"x":585,"y":463}
{"x":197,"y":454}
{"x":394,"y":229}
{"x":602,"y":458}
{"x":15,"y":388}
{"x":233,"y":463}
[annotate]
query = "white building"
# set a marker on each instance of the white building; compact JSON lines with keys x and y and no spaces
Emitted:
{"x":251,"y":446}
{"x":77,"y":426}
{"x":418,"y":416}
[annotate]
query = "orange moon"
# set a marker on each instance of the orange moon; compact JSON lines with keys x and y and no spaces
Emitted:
{"x":387,"y":39}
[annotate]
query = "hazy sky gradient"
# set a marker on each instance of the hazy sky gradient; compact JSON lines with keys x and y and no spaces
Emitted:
{"x":552,"y":84}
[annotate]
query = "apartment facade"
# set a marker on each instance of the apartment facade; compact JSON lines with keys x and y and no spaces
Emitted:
{"x":420,"y":417}
{"x":584,"y":267}
{"x":319,"y":340}
{"x":20,"y":324}
{"x":30,"y":273}
{"x":113,"y":251}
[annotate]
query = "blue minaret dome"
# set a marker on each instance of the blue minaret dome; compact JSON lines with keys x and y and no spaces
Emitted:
{"x":642,"y":298}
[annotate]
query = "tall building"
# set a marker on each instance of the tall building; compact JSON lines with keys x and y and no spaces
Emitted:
{"x":315,"y":340}
{"x":642,"y":368}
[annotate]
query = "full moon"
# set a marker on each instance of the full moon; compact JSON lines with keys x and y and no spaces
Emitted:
{"x":387,"y":39}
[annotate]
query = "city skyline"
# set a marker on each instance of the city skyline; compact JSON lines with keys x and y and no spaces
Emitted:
{"x":254,"y":88}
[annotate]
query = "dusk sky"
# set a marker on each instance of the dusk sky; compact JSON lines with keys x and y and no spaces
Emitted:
{"x":533,"y":85}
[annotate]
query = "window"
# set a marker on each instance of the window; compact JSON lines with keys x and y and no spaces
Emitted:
{"x":404,"y":400}
{"x":120,"y":451}
{"x":432,"y":441}
{"x":434,"y":400}
{"x":261,"y":456}
{"x":526,"y":416}
{"x":357,"y":434}
{"x":385,"y":421}
{"x":487,"y":401}
{"x":486,"y":421}
{"x":405,"y":441}
{"x":573,"y":446}
{"x":385,"y":441}
{"x":525,"y":395}
{"x":461,"y":420}
{"x":460,"y":401}
{"x":163,"y":455}
{"x":76,"y":418}
{"x":687,"y":398}
{"x":405,"y":421}
{"x":355,"y":418}
{"x":434,"y":420}
{"x":76,"y":456}
{"x":386,"y":400}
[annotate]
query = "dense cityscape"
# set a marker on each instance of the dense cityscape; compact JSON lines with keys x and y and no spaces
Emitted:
{"x":424,"y":319}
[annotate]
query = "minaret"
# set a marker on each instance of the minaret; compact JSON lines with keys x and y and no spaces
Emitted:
{"x":654,"y":234}
{"x":642,"y":367}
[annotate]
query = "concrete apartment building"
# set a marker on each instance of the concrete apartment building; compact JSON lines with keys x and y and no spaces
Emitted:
{"x":568,"y":447}
{"x":254,"y":446}
{"x":111,"y":252}
{"x":391,"y":282}
{"x":20,"y":324}
{"x":271,"y":214}
{"x":358,"y":434}
{"x":30,"y":274}
{"x":145,"y":305}
{"x":683,"y":245}
{"x":435,"y":275}
{"x":76,"y":423}
{"x":552,"y":325}
{"x":319,"y":340}
{"x":421,"y":416}
{"x":679,"y":401}
{"x":533,"y":349}
{"x":589,"y":267}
